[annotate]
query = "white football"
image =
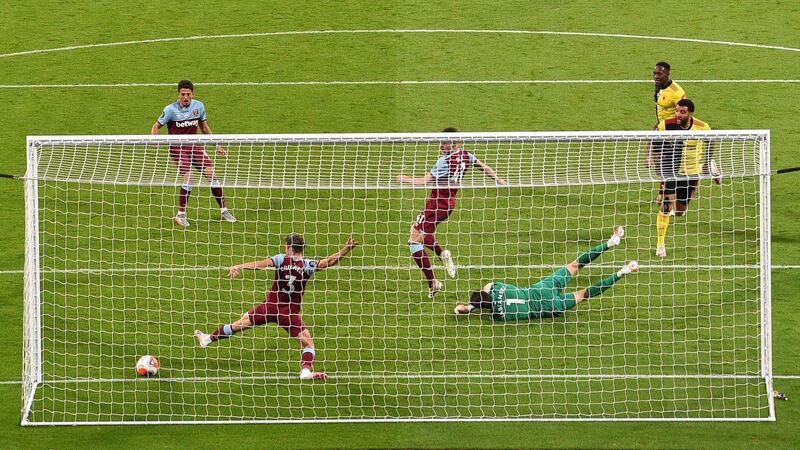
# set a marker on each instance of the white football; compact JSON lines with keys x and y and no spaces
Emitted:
{"x":147,"y":366}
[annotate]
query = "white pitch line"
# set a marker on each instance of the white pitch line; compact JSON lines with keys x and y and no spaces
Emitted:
{"x":411,"y":376}
{"x":399,"y":267}
{"x":378,"y":82}
{"x":398,"y":31}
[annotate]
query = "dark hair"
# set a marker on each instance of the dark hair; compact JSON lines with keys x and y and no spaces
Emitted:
{"x":663,"y":64}
{"x":687,"y":103}
{"x":480,"y":299}
{"x":296,"y":241}
{"x":450,"y":130}
{"x":185,"y":84}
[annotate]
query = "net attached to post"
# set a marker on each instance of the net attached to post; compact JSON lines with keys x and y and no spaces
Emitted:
{"x":111,"y":277}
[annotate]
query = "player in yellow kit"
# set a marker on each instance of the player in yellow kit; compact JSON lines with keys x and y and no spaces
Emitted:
{"x":667,"y":94}
{"x":680,"y":165}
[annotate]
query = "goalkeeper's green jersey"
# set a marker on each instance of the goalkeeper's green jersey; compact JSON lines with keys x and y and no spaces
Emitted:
{"x":542,"y":300}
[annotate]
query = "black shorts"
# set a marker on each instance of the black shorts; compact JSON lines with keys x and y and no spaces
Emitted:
{"x":683,"y":189}
{"x":668,"y":158}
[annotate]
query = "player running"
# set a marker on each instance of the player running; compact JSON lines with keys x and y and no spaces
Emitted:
{"x":546,"y":298}
{"x":282,"y":305}
{"x":447,"y":173}
{"x":184,"y":116}
{"x":680,"y":165}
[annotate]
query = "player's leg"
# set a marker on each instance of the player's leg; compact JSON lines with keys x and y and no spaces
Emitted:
{"x":181,"y":157}
{"x":229,"y":330}
{"x":204,"y":164}
{"x":418,"y":254}
{"x":599,"y":287}
{"x":662,"y":220}
{"x":441,"y":214}
{"x":587,"y":257}
{"x":308,"y":353}
{"x":684,"y":194}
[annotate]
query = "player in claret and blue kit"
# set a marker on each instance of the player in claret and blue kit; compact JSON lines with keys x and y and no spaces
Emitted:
{"x":446,"y":175}
{"x":185,"y":116}
{"x":282,"y":305}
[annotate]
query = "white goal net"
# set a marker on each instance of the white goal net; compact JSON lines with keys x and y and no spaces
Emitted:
{"x":110,"y":277}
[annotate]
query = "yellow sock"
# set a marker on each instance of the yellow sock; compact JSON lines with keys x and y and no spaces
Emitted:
{"x":662,"y":223}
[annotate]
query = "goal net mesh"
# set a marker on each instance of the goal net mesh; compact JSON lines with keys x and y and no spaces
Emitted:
{"x":110,"y":277}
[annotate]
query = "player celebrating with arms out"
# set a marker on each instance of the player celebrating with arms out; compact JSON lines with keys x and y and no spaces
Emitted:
{"x":282,"y":305}
{"x":184,"y":116}
{"x":680,"y":164}
{"x":446,"y":173}
{"x":546,"y":298}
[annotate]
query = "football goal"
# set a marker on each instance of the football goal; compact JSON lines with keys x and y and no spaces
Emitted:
{"x":112,"y":275}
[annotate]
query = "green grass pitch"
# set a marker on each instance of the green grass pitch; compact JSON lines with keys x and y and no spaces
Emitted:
{"x":396,"y":108}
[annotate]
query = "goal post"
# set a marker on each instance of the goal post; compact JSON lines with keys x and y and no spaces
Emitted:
{"x":110,"y":277}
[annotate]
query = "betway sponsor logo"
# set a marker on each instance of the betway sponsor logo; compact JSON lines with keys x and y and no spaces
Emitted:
{"x":187,"y":123}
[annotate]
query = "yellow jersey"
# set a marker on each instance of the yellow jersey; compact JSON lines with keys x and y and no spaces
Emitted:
{"x":666,"y":100}
{"x":693,"y":150}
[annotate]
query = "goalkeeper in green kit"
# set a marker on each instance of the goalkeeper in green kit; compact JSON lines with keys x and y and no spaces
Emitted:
{"x":546,"y":298}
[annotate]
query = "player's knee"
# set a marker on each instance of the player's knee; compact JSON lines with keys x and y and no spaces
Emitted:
{"x":415,"y":246}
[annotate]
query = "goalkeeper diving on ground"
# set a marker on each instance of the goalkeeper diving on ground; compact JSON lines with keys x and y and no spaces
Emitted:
{"x":545,"y":299}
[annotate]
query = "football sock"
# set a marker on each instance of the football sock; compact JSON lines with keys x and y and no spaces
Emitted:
{"x":422,"y":261}
{"x":432,"y":244}
{"x":186,"y":190}
{"x":217,"y":191}
{"x":662,"y":223}
{"x":591,"y":255}
{"x":307,"y":358}
{"x":222,"y":332}
{"x":598,"y":288}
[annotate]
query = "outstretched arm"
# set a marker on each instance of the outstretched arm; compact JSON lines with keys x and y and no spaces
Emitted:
{"x":261,"y":264}
{"x":156,"y":126}
{"x":416,"y":181}
{"x":489,"y":172}
{"x":207,"y":130}
{"x":334,"y":258}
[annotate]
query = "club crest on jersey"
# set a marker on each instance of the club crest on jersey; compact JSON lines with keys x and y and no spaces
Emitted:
{"x":196,"y":112}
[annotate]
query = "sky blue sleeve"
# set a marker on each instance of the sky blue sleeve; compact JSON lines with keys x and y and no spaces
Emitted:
{"x":310,"y":267}
{"x":202,"y":112}
{"x":440,"y":169}
{"x":472,"y":158}
{"x":278,"y":259}
{"x":166,"y":115}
